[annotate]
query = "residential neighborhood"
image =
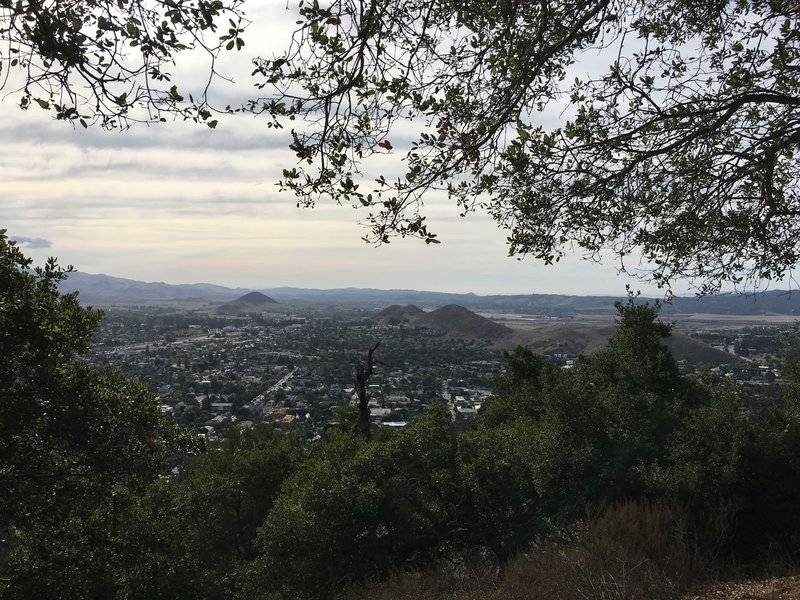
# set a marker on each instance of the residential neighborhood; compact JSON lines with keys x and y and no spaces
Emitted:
{"x":295,"y":369}
{"x":212,"y":372}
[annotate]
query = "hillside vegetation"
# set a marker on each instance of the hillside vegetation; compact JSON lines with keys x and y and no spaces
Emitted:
{"x":620,"y":478}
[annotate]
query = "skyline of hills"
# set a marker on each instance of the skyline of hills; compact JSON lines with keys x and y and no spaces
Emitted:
{"x":103,"y":289}
{"x":577,"y":331}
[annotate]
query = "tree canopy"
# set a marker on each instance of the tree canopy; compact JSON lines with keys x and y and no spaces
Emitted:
{"x":68,"y":431}
{"x":662,"y":135}
{"x":109,"y":61}
{"x":677,"y":142}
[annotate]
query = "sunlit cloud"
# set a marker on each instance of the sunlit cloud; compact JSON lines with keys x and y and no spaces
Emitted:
{"x":182,"y":203}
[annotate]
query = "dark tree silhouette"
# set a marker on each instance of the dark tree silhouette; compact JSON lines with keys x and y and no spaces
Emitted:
{"x":363,"y":373}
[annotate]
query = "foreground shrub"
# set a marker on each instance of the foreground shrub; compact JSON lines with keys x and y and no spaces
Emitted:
{"x":630,"y":551}
{"x":445,"y":582}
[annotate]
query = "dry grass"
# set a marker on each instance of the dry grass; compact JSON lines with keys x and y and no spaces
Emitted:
{"x":440,"y":584}
{"x":772,"y":588}
{"x":629,"y":552}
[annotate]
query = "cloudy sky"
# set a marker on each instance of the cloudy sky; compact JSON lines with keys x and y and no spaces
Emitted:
{"x":181,"y":203}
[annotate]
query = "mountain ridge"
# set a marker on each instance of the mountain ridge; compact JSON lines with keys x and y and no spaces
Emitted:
{"x":107,"y":289}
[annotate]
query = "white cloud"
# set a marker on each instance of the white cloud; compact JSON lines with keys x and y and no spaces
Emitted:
{"x":183,"y":203}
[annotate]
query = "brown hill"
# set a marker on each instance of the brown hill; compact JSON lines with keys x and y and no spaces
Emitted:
{"x":397,"y":315}
{"x":569,"y":338}
{"x":254,"y":302}
{"x":559,"y":338}
{"x":457,"y":322}
{"x":585,"y":338}
{"x":696,"y":352}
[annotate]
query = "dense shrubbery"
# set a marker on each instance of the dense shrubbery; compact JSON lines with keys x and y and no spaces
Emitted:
{"x":628,"y":552}
{"x":618,"y":478}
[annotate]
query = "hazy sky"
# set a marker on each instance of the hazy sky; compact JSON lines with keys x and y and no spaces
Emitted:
{"x":183,"y":204}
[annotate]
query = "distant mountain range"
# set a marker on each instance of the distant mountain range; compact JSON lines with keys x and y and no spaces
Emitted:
{"x":105,"y":290}
{"x":444,"y":316}
{"x":773,"y":302}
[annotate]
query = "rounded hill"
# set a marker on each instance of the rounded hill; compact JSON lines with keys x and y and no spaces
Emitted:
{"x":458,"y":322}
{"x":249,"y":303}
{"x":398,"y":315}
